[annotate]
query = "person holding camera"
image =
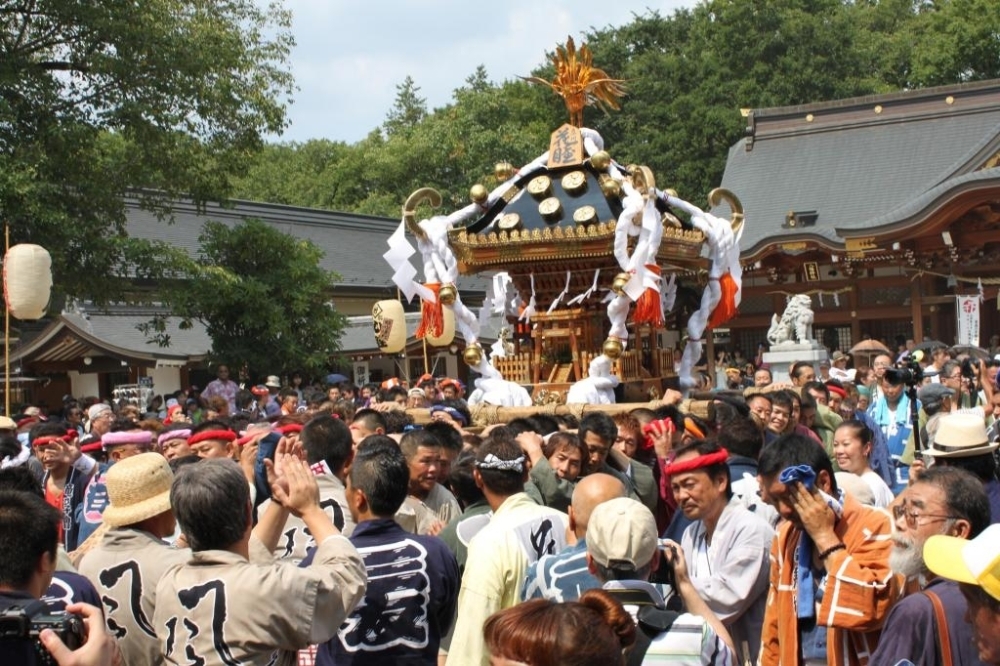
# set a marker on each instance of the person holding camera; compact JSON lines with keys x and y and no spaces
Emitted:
{"x":960,"y":377}
{"x":622,"y":553}
{"x":891,"y":413}
{"x":31,"y":634}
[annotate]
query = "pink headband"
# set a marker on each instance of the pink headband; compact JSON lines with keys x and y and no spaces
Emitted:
{"x":173,"y":434}
{"x":140,"y":437}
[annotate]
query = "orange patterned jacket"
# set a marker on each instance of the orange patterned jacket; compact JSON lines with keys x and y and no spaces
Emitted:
{"x":858,"y":591}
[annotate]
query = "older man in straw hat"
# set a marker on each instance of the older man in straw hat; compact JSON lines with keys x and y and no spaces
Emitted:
{"x":975,"y":565}
{"x":132,"y":556}
{"x":961,"y":441}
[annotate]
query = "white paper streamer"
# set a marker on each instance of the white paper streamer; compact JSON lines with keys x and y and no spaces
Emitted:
{"x":497,"y":350}
{"x":821,"y":299}
{"x":836,"y":299}
{"x":982,"y":294}
{"x":499,"y":300}
{"x":562,"y":295}
{"x":587,"y":294}
{"x":398,"y":256}
{"x":669,"y":294}
{"x":529,"y":311}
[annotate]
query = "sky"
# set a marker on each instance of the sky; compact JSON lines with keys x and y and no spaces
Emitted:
{"x":350,"y":54}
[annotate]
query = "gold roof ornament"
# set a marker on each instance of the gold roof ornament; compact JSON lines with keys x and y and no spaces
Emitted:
{"x":566,"y":227}
{"x":580,"y":84}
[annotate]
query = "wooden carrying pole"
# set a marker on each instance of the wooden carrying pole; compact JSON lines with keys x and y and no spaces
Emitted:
{"x":484,"y":415}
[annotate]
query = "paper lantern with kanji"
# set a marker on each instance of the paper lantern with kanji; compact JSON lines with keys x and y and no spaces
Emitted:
{"x":27,"y":280}
{"x":389,"y":322}
{"x":447,"y":330}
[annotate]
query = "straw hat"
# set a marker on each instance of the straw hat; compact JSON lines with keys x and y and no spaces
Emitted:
{"x":960,"y":436}
{"x":138,"y":488}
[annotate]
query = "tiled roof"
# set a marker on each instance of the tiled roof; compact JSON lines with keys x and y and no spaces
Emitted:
{"x":352,"y":244}
{"x":858,"y":163}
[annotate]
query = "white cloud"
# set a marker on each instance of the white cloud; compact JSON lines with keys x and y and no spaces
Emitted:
{"x":351,"y":55}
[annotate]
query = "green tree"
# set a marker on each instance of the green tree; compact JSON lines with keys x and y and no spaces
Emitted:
{"x":408,"y":109}
{"x":688,"y":75}
{"x":98,"y":99}
{"x":295,"y":174}
{"x":262,"y":296}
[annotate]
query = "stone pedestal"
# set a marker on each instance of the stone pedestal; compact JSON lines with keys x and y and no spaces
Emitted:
{"x":783,"y":356}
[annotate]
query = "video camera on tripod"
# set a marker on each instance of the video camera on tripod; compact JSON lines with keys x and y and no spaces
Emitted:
{"x":908,"y":371}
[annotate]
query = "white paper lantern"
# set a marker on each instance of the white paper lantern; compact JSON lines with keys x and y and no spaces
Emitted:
{"x":27,"y":280}
{"x":447,"y":330}
{"x":389,"y":322}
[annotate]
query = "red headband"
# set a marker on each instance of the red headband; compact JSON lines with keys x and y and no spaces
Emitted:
{"x":289,"y":429}
{"x":224,"y":435}
{"x":48,"y":439}
{"x":697,"y":462}
{"x":691,"y":428}
{"x":836,"y":389}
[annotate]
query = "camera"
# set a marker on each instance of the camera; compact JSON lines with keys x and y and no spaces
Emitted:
{"x":26,"y":623}
{"x":906,"y":372}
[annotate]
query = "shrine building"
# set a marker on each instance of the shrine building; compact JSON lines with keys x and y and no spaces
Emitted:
{"x":881,"y":208}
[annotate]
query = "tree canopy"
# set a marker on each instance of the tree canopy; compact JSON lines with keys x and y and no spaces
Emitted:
{"x":97,"y":99}
{"x":688,"y":75}
{"x":262,"y":296}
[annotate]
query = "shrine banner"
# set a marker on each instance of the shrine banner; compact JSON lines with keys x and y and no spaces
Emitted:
{"x":967,"y":311}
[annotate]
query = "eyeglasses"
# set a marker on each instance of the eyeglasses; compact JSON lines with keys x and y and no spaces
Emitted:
{"x":913,"y":518}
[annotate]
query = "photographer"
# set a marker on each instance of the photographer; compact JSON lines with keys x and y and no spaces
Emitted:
{"x":961,"y":377}
{"x":29,"y":530}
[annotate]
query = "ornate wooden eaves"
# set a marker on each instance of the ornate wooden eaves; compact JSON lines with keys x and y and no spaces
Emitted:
{"x":680,"y":248}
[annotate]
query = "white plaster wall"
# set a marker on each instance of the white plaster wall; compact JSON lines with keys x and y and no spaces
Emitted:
{"x":165,"y":380}
{"x":82,"y":385}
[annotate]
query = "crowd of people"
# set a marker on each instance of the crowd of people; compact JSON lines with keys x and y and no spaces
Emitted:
{"x":826,"y":520}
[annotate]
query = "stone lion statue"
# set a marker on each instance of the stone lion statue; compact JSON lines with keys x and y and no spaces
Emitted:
{"x":795,"y":324}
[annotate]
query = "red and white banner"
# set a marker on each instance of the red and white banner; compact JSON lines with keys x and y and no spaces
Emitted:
{"x":967,"y":310}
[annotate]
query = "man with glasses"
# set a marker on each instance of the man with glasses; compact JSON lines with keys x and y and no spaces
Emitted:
{"x":100,"y":418}
{"x":74,"y":420}
{"x":949,"y":501}
{"x":951,"y":376}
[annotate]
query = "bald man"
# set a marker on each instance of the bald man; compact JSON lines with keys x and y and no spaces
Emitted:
{"x":564,"y":576}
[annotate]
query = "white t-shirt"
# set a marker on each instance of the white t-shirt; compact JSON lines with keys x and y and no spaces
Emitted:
{"x":883,"y":496}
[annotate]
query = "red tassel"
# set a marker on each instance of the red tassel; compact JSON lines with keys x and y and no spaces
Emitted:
{"x":726,"y":309}
{"x":648,"y":309}
{"x":431,"y":314}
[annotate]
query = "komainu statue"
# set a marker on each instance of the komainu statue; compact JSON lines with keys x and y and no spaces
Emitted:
{"x":795,"y":324}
